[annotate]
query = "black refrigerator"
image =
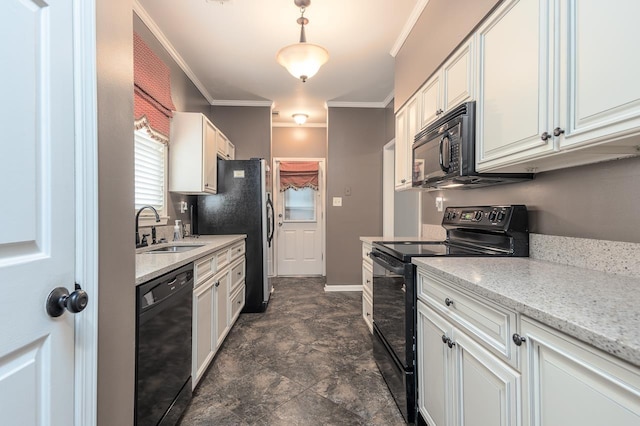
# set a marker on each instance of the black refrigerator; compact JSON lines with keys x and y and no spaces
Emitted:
{"x":242,"y":206}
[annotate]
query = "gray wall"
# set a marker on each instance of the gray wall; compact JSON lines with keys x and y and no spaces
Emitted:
{"x":442,"y":26}
{"x":356,"y":139}
{"x":248,"y":128}
{"x":310,"y":142}
{"x":599,"y":201}
{"x":389,"y":122}
{"x":116,"y":298}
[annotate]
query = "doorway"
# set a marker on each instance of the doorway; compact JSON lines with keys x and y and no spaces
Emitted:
{"x":299,"y":204}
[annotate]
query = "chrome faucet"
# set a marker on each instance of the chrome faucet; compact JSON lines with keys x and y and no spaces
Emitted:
{"x":144,"y":242}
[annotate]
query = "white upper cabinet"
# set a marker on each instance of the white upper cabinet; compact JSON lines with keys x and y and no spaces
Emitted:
{"x":450,"y":86}
{"x":226,"y":150}
{"x":192,"y":154}
{"x":513,"y":83}
{"x":556,"y":84}
{"x":599,"y":77}
{"x":407,"y":121}
{"x":431,"y":100}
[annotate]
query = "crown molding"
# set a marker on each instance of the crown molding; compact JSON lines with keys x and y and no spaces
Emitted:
{"x":279,"y":124}
{"x":164,"y":41}
{"x":388,"y":99}
{"x":243,"y":103}
{"x":408,"y":26}
{"x":338,"y":104}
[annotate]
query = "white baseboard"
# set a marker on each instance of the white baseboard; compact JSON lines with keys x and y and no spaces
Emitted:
{"x":342,"y":287}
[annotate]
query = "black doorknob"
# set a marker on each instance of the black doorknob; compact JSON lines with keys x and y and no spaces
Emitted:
{"x":59,"y":299}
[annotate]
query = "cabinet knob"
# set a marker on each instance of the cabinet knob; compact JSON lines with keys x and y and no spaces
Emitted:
{"x":368,"y":281}
{"x":450,"y":343}
{"x":217,"y":283}
{"x":518,"y":339}
{"x":545,"y":136}
{"x":444,"y":339}
{"x":368,"y":314}
{"x":403,"y":181}
{"x":439,"y":111}
{"x":448,"y":302}
{"x":558,"y":131}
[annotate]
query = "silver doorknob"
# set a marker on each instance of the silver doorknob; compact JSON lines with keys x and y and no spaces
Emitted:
{"x":59,"y":299}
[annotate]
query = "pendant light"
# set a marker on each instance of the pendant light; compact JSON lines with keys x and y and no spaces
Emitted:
{"x":302,"y":60}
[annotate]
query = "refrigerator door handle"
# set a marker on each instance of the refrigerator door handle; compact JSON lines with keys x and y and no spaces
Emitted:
{"x":271,"y":223}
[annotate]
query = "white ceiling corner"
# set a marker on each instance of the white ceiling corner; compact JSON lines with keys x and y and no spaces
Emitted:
{"x":408,"y":26}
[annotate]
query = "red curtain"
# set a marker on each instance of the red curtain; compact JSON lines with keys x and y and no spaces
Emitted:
{"x":298,"y":175}
{"x":152,"y":103}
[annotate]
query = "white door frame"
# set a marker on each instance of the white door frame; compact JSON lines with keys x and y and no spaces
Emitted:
{"x":323,"y":196}
{"x":388,"y":187}
{"x":86,"y":211}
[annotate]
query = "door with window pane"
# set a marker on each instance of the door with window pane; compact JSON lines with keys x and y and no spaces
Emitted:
{"x":299,"y":218}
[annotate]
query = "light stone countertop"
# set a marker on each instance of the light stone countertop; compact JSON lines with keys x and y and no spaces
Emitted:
{"x":150,"y":266}
{"x":598,"y":308}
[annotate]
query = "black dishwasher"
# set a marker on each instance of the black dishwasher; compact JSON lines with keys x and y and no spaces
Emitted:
{"x":163,"y":347}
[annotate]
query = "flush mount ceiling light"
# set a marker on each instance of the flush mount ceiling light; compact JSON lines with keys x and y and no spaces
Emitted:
{"x":300,"y":119}
{"x":302,"y":60}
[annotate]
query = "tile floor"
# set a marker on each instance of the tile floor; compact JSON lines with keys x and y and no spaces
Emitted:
{"x":306,"y":361}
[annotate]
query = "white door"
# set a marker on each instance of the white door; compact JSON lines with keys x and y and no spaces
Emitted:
{"x":37,"y":246}
{"x":300,"y":226}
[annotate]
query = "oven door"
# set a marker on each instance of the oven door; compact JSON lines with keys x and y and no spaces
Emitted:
{"x":393,"y":301}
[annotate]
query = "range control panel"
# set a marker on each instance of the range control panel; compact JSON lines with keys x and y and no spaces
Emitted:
{"x":495,"y":217}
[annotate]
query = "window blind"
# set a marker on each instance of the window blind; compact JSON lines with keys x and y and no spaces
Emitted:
{"x":150,"y":160}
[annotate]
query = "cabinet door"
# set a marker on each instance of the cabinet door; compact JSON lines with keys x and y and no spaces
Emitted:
{"x":458,"y":77}
{"x":569,"y":383}
{"x":401,"y":149}
{"x":600,"y":84}
{"x":514,"y":84}
{"x":221,"y":297}
{"x":435,"y":393}
{"x":210,"y":158}
{"x":431,"y":101}
{"x":489,"y":389}
{"x":202,"y":333}
{"x":231,"y":151}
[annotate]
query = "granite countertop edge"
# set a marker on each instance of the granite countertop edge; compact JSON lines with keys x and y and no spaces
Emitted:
{"x":150,"y":266}
{"x":569,"y":299}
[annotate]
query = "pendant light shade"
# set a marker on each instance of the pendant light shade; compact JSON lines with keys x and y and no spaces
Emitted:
{"x":302,"y":60}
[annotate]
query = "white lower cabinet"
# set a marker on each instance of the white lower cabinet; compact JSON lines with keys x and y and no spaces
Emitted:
{"x":218,"y":298}
{"x":567,"y":382}
{"x":460,"y":382}
{"x":367,"y":286}
{"x":547,"y":378}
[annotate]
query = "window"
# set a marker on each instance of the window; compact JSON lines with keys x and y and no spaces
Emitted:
{"x":150,"y":173}
{"x":300,"y":205}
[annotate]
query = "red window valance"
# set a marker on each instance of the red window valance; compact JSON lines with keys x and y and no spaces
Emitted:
{"x":298,"y":174}
{"x":152,"y":103}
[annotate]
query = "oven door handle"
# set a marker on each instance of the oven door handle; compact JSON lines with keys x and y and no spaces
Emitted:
{"x":385,"y":262}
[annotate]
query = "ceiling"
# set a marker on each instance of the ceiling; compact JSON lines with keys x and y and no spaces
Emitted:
{"x":228,"y":48}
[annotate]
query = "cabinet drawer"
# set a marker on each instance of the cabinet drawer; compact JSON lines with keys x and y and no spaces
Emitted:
{"x":366,"y":249}
{"x":490,"y":324}
{"x":236,"y":303}
{"x":204,"y":268}
{"x":237,"y":273}
{"x":237,"y":250}
{"x":223,"y":257}
{"x":367,"y":311}
{"x":367,"y":279}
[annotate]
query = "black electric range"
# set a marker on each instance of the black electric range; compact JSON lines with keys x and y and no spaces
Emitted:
{"x":480,"y":231}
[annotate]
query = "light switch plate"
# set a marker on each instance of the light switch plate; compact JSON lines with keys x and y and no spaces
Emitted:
{"x":337,"y":201}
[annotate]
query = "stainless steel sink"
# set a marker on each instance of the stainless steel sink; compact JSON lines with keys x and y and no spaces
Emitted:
{"x":175,"y":248}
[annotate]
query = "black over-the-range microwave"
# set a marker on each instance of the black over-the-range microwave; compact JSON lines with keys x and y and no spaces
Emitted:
{"x":444,"y":154}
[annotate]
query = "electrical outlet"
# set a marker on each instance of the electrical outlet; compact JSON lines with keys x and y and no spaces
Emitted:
{"x":183,"y":206}
{"x":337,"y":201}
{"x":439,"y":203}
